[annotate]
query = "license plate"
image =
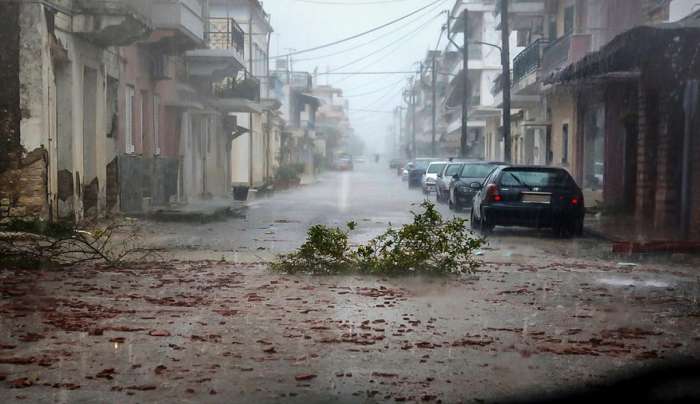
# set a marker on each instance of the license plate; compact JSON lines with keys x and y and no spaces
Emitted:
{"x":531,"y":197}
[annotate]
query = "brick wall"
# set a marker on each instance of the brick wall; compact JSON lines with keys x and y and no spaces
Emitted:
{"x":23,"y":193}
{"x":669,"y":148}
{"x":646,"y":153}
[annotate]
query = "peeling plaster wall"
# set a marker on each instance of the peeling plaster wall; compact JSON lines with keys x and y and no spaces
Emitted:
{"x":23,"y":159}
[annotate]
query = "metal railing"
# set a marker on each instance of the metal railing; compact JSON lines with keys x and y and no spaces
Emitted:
{"x":556,"y":55}
{"x":225,"y":33}
{"x":529,"y":60}
{"x":248,"y":88}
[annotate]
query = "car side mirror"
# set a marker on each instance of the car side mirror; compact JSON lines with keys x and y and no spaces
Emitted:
{"x":456,"y":176}
{"x":475,"y":186}
{"x":439,"y":175}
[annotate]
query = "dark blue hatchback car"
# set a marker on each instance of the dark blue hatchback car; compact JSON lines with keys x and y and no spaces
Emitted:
{"x":530,"y":196}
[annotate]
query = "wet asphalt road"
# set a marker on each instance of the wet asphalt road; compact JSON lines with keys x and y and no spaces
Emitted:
{"x":372,"y":195}
{"x":543,"y":315}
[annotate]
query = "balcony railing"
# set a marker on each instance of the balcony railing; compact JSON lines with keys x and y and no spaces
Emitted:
{"x":225,"y":33}
{"x":248,"y":88}
{"x":565,"y":50}
{"x":557,"y":55}
{"x":529,"y":60}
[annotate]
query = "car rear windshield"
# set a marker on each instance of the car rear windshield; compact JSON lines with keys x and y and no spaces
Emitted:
{"x":421,"y":164}
{"x":435,"y":168}
{"x":530,"y":178}
{"x":476,"y":170}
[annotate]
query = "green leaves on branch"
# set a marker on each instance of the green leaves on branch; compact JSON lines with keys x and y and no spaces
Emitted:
{"x":429,"y":245}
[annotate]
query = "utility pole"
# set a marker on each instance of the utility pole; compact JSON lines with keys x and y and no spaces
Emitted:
{"x":465,"y":87}
{"x":434,"y":85}
{"x":505,"y":61}
{"x":410,"y":98}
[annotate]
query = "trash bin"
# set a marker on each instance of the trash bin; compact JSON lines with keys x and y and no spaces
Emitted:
{"x":240,"y":193}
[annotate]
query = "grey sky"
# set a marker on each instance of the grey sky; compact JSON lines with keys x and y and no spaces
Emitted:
{"x":300,"y":25}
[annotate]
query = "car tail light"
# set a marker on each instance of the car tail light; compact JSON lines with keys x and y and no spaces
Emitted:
{"x":492,"y":193}
{"x":575,"y":201}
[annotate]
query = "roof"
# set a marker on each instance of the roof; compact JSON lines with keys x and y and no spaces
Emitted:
{"x":648,"y":47}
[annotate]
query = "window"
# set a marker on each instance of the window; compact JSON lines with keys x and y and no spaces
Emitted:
{"x":565,"y":143}
{"x":569,"y":20}
{"x":156,"y":124}
{"x":129,"y":120}
{"x":529,"y":178}
{"x":142,"y":119}
{"x":452,"y":169}
{"x":435,"y":168}
{"x":476,"y":170}
{"x":523,"y":37}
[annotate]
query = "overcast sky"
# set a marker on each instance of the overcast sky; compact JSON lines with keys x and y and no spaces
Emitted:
{"x":303,"y":24}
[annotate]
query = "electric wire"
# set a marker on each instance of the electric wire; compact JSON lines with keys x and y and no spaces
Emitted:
{"x":361,"y":34}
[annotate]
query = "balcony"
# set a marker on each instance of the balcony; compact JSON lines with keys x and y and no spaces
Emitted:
{"x":527,"y":64}
{"x":238,"y":95}
{"x":564,"y":51}
{"x":248,"y":88}
{"x":524,"y":14}
{"x":112,"y":22}
{"x":183,"y":17}
{"x":224,"y":56}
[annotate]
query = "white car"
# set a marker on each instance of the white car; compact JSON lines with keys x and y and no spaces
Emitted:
{"x":429,"y":181}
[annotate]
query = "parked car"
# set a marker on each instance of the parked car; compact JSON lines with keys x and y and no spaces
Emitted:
{"x":415,"y":175}
{"x":531,"y":196}
{"x":344,"y":163}
{"x":460,"y":194}
{"x":429,"y":180}
{"x":445,"y":178}
{"x":394,"y":164}
{"x":405,"y":171}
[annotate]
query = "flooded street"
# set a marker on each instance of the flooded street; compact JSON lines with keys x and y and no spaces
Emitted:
{"x":213,"y":324}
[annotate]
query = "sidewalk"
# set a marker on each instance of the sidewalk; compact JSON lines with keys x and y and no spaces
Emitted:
{"x":201,"y":211}
{"x":629,"y":236}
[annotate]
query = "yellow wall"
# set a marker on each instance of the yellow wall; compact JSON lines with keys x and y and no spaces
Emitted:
{"x":563,"y":111}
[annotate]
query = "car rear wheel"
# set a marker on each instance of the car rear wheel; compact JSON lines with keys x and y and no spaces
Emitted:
{"x":475,"y":224}
{"x":487,"y":225}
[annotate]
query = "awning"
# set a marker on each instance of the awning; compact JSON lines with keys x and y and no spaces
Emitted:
{"x":310,"y":99}
{"x":651,"y":48}
{"x":271,"y":104}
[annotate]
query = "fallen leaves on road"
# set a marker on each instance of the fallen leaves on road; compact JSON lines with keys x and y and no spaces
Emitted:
{"x":304,"y":377}
{"x":159,"y":333}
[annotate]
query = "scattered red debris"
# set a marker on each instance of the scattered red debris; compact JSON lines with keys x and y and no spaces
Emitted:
{"x":145,"y":387}
{"x":21,"y":383}
{"x":118,"y":340}
{"x":159,"y":333}
{"x":106,"y":374}
{"x":18,"y":361}
{"x":303,"y":377}
{"x":160,"y":369}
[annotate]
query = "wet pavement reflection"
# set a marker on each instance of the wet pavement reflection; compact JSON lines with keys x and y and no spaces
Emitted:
{"x":212,"y":324}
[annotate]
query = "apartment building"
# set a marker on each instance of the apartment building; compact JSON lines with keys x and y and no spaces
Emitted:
{"x":60,"y":96}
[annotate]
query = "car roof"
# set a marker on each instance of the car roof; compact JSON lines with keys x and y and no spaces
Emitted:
{"x":533,"y":167}
{"x":439,"y":162}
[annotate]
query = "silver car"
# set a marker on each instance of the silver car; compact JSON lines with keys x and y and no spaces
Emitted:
{"x":429,"y":180}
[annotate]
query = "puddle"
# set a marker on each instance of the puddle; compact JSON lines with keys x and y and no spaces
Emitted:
{"x":631,"y":282}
